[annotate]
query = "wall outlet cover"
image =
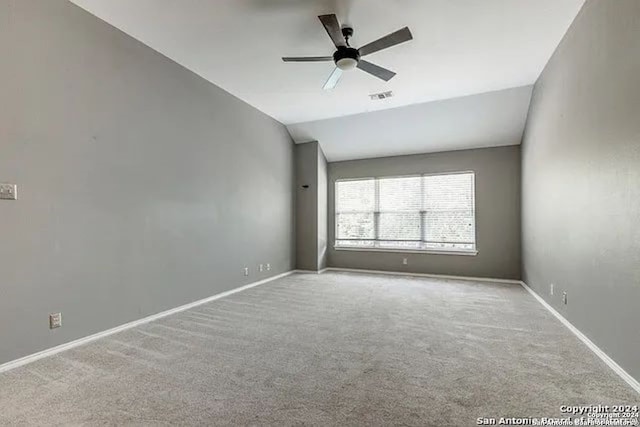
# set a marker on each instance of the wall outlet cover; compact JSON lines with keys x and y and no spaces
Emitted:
{"x":55,"y":320}
{"x":551,"y":289}
{"x":268,"y":267}
{"x":246,"y":271}
{"x":564,"y":298}
{"x":8,"y":192}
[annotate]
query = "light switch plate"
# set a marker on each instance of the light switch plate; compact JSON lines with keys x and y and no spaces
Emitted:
{"x":8,"y":192}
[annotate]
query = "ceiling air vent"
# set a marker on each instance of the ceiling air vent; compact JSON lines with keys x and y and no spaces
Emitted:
{"x":381,"y":95}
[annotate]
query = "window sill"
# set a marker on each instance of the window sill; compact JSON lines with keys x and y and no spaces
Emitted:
{"x":413,"y":251}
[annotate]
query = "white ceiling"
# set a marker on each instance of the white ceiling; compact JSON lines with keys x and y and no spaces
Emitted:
{"x":486,"y":120}
{"x":460,"y":47}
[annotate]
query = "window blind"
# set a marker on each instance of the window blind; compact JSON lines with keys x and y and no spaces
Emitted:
{"x":428,"y":212}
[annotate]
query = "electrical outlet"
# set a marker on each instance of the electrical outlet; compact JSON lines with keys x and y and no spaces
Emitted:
{"x":261,"y":267}
{"x":564,"y":298}
{"x":246,"y":271}
{"x":551,"y":289}
{"x":55,"y":320}
{"x":8,"y":191}
{"x":405,"y":261}
{"x":268,"y":267}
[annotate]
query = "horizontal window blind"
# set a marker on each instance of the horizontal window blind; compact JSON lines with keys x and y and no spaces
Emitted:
{"x":429,"y":212}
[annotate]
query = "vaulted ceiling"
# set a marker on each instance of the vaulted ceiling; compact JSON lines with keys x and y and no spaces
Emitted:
{"x":490,"y":119}
{"x":460,"y":47}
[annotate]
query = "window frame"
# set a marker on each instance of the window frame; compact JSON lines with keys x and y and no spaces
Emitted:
{"x":447,"y":251}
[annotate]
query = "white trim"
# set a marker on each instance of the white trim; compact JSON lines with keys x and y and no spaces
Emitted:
{"x":582,"y":337}
{"x":434,"y":276}
{"x":310,"y":271}
{"x":411,"y":175}
{"x":81,"y":341}
{"x":407,"y":251}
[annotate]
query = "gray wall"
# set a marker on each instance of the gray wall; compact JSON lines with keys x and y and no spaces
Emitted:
{"x":306,"y":158}
{"x":142,"y":187}
{"x":322,"y":209}
{"x":311,"y":207}
{"x":581,"y":179}
{"x":497,"y":213}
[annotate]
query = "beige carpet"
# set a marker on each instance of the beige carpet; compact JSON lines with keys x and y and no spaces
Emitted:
{"x":330,"y":349}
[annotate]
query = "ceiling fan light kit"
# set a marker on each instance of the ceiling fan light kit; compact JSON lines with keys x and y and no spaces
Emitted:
{"x":348,"y":58}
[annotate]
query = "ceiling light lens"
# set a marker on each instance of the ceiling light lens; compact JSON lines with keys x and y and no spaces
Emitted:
{"x":347,"y":64}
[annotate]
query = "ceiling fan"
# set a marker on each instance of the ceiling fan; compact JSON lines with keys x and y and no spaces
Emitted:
{"x":347,"y":57}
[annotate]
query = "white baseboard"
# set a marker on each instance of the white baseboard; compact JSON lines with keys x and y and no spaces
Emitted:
{"x":433,"y":276}
{"x":582,"y":337}
{"x":310,"y":271}
{"x":81,"y":341}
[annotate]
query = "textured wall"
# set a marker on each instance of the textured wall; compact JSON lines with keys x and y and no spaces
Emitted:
{"x":581,"y":179}
{"x":311,"y":207}
{"x":306,"y":158}
{"x":497,"y":212}
{"x":322,"y":209}
{"x":142,"y":187}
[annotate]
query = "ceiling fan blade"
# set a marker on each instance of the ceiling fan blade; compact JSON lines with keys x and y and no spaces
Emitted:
{"x":332,"y":26}
{"x":375,"y":70}
{"x":333,"y":79}
{"x":400,"y":36}
{"x":307,"y":58}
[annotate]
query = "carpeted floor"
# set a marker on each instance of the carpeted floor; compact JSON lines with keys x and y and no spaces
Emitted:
{"x":330,"y":349}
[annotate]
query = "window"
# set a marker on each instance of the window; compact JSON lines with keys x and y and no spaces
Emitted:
{"x":423,"y":213}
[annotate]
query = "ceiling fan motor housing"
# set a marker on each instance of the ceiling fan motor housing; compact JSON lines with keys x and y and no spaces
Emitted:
{"x":346,"y":58}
